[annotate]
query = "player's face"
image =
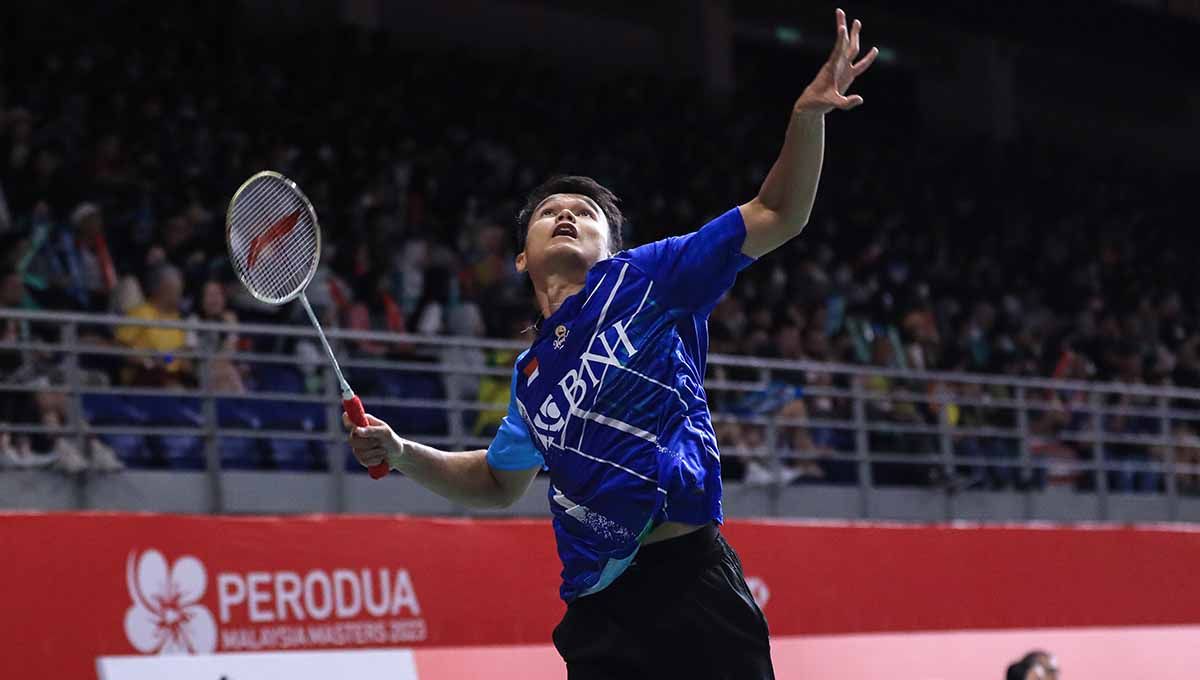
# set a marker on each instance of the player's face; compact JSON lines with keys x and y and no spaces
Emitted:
{"x":566,"y":230}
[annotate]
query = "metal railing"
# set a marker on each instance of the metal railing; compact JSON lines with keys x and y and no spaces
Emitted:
{"x":783,"y":422}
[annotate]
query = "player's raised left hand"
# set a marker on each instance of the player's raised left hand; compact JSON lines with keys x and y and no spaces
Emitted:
{"x":828,"y":90}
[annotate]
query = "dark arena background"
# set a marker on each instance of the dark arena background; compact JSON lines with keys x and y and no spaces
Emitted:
{"x":958,"y":416}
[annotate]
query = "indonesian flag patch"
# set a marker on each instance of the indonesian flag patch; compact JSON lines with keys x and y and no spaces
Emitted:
{"x":530,"y":371}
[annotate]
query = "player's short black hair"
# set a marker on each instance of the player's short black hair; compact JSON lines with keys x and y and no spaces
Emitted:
{"x":573,"y":184}
{"x":1017,"y":670}
{"x":1032,"y":655}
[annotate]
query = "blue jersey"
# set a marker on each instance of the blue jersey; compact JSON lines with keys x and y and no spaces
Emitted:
{"x":610,"y":399}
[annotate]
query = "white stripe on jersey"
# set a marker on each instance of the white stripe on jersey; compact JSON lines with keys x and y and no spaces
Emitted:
{"x":598,"y":284}
{"x":616,"y":424}
{"x":616,"y":465}
{"x":562,"y":439}
{"x":600,"y":386}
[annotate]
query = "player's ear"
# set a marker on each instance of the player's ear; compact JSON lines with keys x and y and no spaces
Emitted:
{"x":520,"y":262}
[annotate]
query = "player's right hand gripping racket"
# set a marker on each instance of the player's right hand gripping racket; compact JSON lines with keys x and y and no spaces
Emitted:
{"x":275,"y":245}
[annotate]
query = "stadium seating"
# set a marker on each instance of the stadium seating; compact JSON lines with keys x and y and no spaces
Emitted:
{"x":278,"y":378}
{"x":187,"y":452}
{"x":239,"y":452}
{"x":102,"y":410}
{"x":411,"y":385}
{"x":268,"y":415}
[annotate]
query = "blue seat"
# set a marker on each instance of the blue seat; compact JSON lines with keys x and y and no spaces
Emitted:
{"x":309,"y":417}
{"x":277,"y":415}
{"x":177,"y":451}
{"x":278,"y":378}
{"x":237,"y":413}
{"x":412,"y":419}
{"x":169,"y":410}
{"x":111,"y":409}
{"x":400,"y":384}
{"x":181,"y":452}
{"x":132,"y":449}
{"x":294,"y":454}
{"x":187,"y":452}
{"x":240,"y":453}
{"x":267,"y":415}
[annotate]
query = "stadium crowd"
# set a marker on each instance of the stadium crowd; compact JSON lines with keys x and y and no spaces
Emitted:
{"x":925,"y":250}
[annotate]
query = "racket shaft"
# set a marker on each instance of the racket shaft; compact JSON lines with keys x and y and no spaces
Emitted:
{"x":352,"y":404}
{"x":337,"y":370}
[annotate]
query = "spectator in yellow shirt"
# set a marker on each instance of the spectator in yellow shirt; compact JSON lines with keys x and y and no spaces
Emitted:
{"x":495,"y":389}
{"x":162,"y":368}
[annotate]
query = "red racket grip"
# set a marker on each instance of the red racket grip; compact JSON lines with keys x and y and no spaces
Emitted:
{"x":354,"y":409}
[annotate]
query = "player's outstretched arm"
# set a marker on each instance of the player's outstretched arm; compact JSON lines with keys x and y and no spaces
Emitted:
{"x":785,"y":199}
{"x":464,"y":477}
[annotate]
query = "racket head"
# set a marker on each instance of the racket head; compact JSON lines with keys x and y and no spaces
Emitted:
{"x":273,"y":237}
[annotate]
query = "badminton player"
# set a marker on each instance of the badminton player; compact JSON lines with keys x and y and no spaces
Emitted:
{"x":609,"y":399}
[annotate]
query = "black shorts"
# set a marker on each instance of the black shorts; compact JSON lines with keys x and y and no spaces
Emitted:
{"x":681,"y":610}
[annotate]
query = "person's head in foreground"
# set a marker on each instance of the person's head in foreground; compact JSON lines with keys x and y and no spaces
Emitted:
{"x":1035,"y":665}
{"x":1045,"y":662}
{"x":1019,"y":670}
{"x":566,"y":225}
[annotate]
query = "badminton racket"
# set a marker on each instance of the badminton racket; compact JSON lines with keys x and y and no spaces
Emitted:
{"x":275,"y":245}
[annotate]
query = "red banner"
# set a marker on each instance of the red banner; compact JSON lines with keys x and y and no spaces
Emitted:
{"x":79,"y":586}
{"x":842,"y":578}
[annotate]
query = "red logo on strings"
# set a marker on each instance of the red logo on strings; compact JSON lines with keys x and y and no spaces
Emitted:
{"x":275,"y":232}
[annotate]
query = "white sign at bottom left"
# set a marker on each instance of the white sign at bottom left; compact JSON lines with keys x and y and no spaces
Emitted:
{"x":397,"y":664}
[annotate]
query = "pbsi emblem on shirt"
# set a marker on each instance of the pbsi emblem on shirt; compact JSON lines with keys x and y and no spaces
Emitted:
{"x":560,"y":336}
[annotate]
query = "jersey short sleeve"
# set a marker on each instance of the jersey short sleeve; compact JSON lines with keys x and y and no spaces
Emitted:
{"x":512,"y":448}
{"x":693,"y":271}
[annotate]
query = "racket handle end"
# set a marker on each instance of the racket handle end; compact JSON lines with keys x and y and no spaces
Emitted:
{"x":358,"y":416}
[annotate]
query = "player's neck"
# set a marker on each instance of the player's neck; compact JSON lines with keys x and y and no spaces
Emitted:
{"x":554,"y":289}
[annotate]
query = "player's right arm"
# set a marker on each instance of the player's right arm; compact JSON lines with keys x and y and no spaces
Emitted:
{"x":465,"y":477}
{"x":494,"y":477}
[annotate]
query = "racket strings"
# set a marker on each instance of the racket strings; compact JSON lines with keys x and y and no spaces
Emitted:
{"x":282,"y":275}
{"x":274,"y":242}
{"x":276,"y":262}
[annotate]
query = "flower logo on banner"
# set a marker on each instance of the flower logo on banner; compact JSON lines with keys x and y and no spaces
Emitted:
{"x":760,"y":591}
{"x":166,"y":616}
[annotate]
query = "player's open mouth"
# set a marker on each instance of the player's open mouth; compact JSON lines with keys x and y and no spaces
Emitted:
{"x":565,"y":229}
